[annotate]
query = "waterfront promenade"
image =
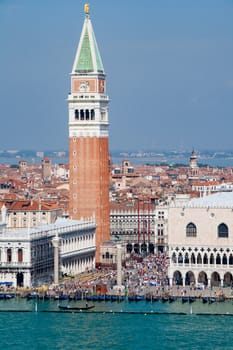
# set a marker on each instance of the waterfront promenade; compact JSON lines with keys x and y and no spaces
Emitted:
{"x":102,"y":284}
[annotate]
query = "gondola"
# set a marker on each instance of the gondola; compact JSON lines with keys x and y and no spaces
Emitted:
{"x":107,"y":297}
{"x":192,"y":299}
{"x":68,"y":307}
{"x":212,"y":300}
{"x":10,"y":296}
{"x":63,"y":297}
{"x":149,"y":298}
{"x":75,"y":297}
{"x":205,"y":300}
{"x":172,"y":298}
{"x":185,"y":299}
{"x":152,"y":298}
{"x":164,"y":299}
{"x":32,"y":296}
{"x":155,"y":298}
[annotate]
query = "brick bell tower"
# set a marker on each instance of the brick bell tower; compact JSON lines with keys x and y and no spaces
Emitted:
{"x":88,"y":136}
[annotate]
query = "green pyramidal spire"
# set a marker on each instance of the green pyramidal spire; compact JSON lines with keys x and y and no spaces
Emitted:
{"x":88,"y":58}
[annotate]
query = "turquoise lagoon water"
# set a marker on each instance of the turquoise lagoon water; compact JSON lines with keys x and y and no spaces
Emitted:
{"x":122,"y":326}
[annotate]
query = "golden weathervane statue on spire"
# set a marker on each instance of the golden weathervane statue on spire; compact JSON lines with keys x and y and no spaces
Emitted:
{"x":86,"y":8}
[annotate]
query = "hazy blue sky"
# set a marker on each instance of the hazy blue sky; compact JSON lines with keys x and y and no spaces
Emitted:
{"x":169,"y":66}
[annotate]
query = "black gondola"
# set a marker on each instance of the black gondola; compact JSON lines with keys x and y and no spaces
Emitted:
{"x":192,"y":299}
{"x":185,"y":299}
{"x":156,"y":298}
{"x":164,"y":299}
{"x":172,"y":298}
{"x":68,"y":307}
{"x":205,"y":300}
{"x":212,"y":300}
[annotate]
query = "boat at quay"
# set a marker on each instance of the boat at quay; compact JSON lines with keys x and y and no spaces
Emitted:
{"x":117,"y":297}
{"x":176,"y":305}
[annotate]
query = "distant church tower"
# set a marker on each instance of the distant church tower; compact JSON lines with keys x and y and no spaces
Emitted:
{"x":88,"y":136}
{"x":193,"y":167}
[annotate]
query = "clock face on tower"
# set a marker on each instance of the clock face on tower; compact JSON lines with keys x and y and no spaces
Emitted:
{"x":84,"y":86}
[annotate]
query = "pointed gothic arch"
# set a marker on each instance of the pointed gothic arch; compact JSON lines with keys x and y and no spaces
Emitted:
{"x":189,"y":278}
{"x":215,"y":279}
{"x":205,"y":259}
{"x":199,"y":259}
{"x":177,"y":277}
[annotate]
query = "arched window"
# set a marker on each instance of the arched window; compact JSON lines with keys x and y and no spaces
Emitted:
{"x":191,"y":230}
{"x":205,"y":260}
{"x":82,"y":114}
{"x":224,"y":259}
{"x":92,"y":114}
{"x":222,"y":231}
{"x":174,"y":258}
{"x":107,"y":255}
{"x":211,"y":258}
{"x":230,"y":259}
{"x":9,"y":255}
{"x":193,"y":259}
{"x":20,"y":255}
{"x":76,"y":114}
{"x":180,"y":258}
{"x":87,"y":114}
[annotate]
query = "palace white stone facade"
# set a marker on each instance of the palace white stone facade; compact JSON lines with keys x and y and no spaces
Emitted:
{"x":27,"y":256}
{"x":133,"y":224}
{"x":200,"y":241}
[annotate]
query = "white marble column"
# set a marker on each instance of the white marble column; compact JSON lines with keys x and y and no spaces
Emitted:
{"x":55,"y":242}
{"x":119,"y":273}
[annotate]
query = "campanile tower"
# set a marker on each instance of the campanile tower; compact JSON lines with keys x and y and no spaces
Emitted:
{"x":88,"y":136}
